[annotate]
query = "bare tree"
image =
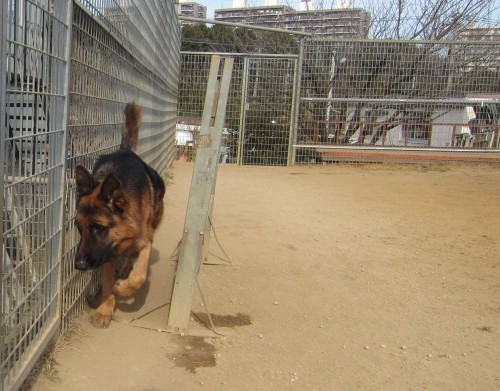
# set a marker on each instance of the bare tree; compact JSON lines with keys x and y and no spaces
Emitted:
{"x":428,"y":19}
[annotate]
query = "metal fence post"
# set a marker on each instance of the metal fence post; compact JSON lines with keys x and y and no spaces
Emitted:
{"x":60,"y":153}
{"x":295,"y":104}
{"x":243,"y":110}
{"x":3,"y":131}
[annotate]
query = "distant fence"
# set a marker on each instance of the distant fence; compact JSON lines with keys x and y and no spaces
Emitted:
{"x":367,"y":98}
{"x":70,"y":69}
{"x":355,"y":100}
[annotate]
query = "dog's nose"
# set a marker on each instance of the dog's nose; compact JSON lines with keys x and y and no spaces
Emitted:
{"x":81,"y":264}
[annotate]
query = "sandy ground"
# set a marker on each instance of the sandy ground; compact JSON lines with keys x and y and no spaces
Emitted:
{"x":342,"y":278}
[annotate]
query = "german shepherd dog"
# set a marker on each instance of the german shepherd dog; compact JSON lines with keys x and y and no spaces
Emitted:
{"x":118,"y":207}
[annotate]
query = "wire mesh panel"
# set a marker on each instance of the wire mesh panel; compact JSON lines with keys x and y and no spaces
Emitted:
{"x":192,"y":90}
{"x":121,"y":52}
{"x":35,"y":66}
{"x":259,"y":112}
{"x":407,"y":94}
{"x":268,"y":111}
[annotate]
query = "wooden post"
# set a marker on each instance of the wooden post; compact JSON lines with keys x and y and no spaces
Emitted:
{"x":200,"y":197}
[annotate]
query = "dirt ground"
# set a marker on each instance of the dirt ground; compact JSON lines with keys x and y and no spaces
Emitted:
{"x":342,"y":277}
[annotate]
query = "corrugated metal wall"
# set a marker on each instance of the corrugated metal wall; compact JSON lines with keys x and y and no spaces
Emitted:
{"x":119,"y":54}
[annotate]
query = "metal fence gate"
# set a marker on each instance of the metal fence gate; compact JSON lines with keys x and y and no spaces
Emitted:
{"x":69,"y":70}
{"x":260,"y":112}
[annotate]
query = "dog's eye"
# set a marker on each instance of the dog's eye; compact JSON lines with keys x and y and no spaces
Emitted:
{"x":97,"y":228}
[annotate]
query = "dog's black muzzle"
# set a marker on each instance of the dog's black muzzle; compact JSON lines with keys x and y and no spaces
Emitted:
{"x":82,"y":264}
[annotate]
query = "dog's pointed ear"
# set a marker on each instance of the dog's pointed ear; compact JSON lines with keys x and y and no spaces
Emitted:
{"x":84,"y":181}
{"x":112,"y":192}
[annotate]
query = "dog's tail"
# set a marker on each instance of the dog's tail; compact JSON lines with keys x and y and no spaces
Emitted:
{"x":130,"y":132}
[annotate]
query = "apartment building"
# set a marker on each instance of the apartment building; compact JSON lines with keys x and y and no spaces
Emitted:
{"x":192,"y":9}
{"x":475,"y":53}
{"x":330,"y":23}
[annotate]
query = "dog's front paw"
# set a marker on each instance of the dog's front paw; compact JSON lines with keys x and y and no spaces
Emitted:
{"x":101,"y":320}
{"x":123,"y":288}
{"x":128,"y":286}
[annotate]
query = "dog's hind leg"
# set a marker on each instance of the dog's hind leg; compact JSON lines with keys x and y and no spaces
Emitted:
{"x":104,"y":313}
{"x":137,"y":277}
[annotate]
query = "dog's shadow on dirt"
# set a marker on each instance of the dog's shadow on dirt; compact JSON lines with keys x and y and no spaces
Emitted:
{"x":137,"y":301}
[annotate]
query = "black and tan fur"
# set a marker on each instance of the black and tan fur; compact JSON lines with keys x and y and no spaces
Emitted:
{"x":118,"y":207}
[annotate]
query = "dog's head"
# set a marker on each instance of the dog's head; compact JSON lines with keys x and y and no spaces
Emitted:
{"x":100,"y":214}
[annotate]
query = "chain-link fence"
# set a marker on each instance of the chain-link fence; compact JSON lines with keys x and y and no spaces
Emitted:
{"x":70,"y":69}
